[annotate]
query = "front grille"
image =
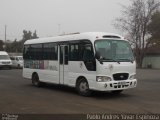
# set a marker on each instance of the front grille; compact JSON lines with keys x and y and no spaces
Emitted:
{"x":120,"y":76}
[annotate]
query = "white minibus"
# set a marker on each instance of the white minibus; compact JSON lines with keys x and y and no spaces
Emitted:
{"x":5,"y":61}
{"x":87,"y":61}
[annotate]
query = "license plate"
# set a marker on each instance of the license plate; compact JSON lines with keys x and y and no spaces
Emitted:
{"x":121,"y":83}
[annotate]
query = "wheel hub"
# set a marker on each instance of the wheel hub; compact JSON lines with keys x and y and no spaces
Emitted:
{"x":83,"y":86}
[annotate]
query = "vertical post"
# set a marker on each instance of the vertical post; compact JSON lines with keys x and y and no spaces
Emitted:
{"x":59,"y":29}
{"x":5,"y":37}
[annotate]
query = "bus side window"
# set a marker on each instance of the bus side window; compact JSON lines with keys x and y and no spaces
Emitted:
{"x":74,"y":52}
{"x":61,"y":55}
{"x":88,"y":57}
{"x":26,"y":52}
{"x":88,"y":54}
{"x":50,"y":51}
{"x":36,"y":52}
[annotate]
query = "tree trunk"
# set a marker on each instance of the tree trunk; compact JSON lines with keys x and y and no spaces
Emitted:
{"x":139,"y":58}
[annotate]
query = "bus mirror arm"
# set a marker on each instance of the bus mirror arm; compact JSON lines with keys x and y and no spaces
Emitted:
{"x":98,"y":57}
{"x":100,"y":61}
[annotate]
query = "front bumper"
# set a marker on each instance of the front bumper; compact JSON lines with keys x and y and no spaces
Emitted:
{"x":5,"y":66}
{"x":116,"y":85}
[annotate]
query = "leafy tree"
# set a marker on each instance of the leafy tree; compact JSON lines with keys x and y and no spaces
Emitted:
{"x":134,"y":22}
{"x":17,"y":46}
{"x":9,"y":47}
{"x":27,"y":35}
{"x":1,"y":45}
{"x":34,"y":36}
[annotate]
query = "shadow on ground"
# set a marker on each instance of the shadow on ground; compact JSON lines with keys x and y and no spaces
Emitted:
{"x":72,"y":91}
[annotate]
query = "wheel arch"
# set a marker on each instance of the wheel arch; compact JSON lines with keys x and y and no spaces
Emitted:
{"x":84,"y":91}
{"x":34,"y":73}
{"x":79,"y":79}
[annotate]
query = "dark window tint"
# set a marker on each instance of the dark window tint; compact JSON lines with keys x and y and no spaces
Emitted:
{"x":66,"y":55}
{"x":36,"y":52}
{"x":88,"y":53}
{"x":50,"y":51}
{"x":81,"y":50}
{"x":74,"y":52}
{"x":26,"y":52}
{"x":61,"y":54}
{"x":47,"y":51}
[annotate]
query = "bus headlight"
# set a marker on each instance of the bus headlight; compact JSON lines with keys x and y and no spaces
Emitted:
{"x":103,"y":79}
{"x":132,"y":77}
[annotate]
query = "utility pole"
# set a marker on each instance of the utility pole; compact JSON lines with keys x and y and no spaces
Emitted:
{"x":59,"y":29}
{"x":5,"y":37}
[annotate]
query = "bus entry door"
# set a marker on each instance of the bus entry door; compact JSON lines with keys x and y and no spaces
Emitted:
{"x":63,"y":64}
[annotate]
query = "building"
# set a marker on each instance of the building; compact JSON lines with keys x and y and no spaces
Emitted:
{"x":152,"y":58}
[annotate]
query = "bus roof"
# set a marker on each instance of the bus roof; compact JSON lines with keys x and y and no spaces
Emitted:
{"x":76,"y":36}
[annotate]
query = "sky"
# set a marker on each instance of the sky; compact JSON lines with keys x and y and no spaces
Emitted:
{"x":54,"y":17}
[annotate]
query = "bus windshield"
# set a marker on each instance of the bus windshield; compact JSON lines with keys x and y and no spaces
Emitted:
{"x":114,"y":50}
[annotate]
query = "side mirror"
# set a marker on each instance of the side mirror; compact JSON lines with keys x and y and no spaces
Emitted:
{"x":97,"y":55}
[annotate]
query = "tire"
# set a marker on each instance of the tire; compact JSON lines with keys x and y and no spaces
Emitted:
{"x":35,"y":80}
{"x":18,"y":66}
{"x":117,"y":92}
{"x":83,"y":87}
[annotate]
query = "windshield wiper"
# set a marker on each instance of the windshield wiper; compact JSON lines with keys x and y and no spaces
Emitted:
{"x":127,"y":60}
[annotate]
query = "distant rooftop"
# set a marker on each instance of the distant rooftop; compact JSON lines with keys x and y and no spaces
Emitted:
{"x":154,"y":50}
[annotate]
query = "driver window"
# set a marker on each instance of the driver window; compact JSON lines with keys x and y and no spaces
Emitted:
{"x":88,"y":53}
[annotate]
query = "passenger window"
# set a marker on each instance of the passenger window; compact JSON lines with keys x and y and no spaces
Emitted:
{"x":50,"y":51}
{"x":36,"y":52}
{"x":26,"y":52}
{"x":74,"y":52}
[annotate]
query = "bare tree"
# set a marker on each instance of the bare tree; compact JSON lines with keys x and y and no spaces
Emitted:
{"x":134,"y":21}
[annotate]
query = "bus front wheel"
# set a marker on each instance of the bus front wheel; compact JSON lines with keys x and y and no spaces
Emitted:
{"x":83,"y":87}
{"x":35,"y":80}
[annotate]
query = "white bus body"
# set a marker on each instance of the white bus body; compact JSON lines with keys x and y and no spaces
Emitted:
{"x":87,"y":61}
